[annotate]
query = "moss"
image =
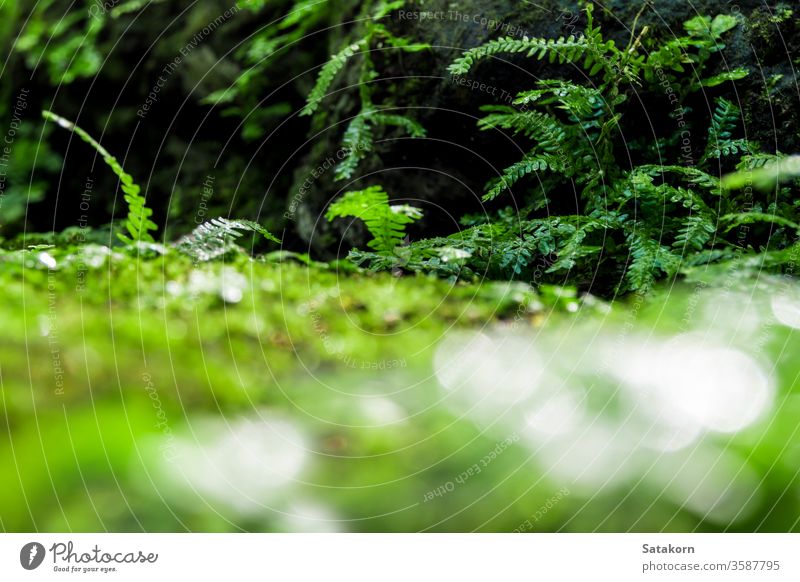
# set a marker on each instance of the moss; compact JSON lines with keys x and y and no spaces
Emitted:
{"x":153,"y":352}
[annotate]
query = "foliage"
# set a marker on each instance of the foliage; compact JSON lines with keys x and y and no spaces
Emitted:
{"x":682,"y":59}
{"x":584,"y":205}
{"x":138,"y":222}
{"x":65,"y":41}
{"x":359,"y":135}
{"x":637,"y":225}
{"x":385,"y":222}
{"x":724,"y":122}
{"x":261,"y":55}
{"x":216,"y":237}
{"x":303,"y":20}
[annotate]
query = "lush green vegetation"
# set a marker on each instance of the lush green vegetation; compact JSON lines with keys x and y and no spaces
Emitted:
{"x":230,"y":303}
{"x":633,"y":225}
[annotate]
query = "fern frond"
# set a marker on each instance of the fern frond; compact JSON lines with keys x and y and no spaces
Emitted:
{"x":138,"y":222}
{"x":514,"y":173}
{"x":358,"y":204}
{"x":412,"y":128}
{"x":687,"y":198}
{"x":695,"y":232}
{"x":216,"y":237}
{"x":301,"y":11}
{"x":548,"y":131}
{"x":690,"y":174}
{"x":573,"y":248}
{"x":357,"y":142}
{"x":389,"y":228}
{"x":580,"y":101}
{"x":579,"y":50}
{"x":588,"y":50}
{"x":328,"y":73}
{"x":757,"y":160}
{"x":724,"y":121}
{"x":649,"y":259}
{"x":730,"y":148}
{"x":385,"y":223}
{"x":358,"y":138}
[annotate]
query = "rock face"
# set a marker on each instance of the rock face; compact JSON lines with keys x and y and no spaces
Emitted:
{"x":445,"y":172}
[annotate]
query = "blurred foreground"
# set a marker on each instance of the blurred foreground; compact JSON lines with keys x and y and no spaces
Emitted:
{"x":273,"y":395}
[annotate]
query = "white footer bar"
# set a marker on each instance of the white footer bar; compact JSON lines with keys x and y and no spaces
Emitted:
{"x":400,"y":557}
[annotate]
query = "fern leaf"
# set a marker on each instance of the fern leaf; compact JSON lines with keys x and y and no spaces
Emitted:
{"x":766,"y":174}
{"x":695,"y":232}
{"x":563,"y":50}
{"x":649,"y":259}
{"x":729,"y":148}
{"x":514,"y":173}
{"x":757,"y":160}
{"x":690,"y":174}
{"x":388,"y":227}
{"x":138,"y":222}
{"x":581,"y":102}
{"x":587,"y":50}
{"x":216,"y":237}
{"x":358,"y":204}
{"x":328,"y":73}
{"x":574,"y":249}
{"x":765,"y":177}
{"x":385,"y":223}
{"x":548,"y":131}
{"x":412,"y":128}
{"x":357,"y":143}
{"x":724,"y":121}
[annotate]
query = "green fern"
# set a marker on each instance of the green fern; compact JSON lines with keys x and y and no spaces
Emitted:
{"x":386,"y":223}
{"x":655,"y":212}
{"x":641,"y":222}
{"x":691,"y":175}
{"x":579,"y":101}
{"x":649,"y":260}
{"x":411,"y":127}
{"x":757,"y":160}
{"x":216,"y":238}
{"x":562,"y":50}
{"x":696,"y":231}
{"x":328,"y":73}
{"x":543,"y":127}
{"x":573,"y":248}
{"x":138,"y":222}
{"x":588,"y":50}
{"x":358,"y":137}
{"x":357,"y":144}
{"x":514,"y":173}
{"x":724,"y":122}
